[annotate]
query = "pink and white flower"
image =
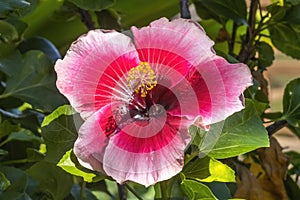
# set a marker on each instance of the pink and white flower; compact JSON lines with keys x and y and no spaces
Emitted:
{"x":139,"y":97}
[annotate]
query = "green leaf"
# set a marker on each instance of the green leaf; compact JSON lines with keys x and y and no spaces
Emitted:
{"x":6,"y":128}
{"x":51,"y":180}
{"x":293,"y":15}
{"x":42,"y":44}
{"x":286,"y":38}
{"x":18,"y":183}
{"x":60,"y":134}
{"x":66,"y":164}
{"x":197,"y":169}
{"x":265,"y":55}
{"x":222,"y":10}
{"x":24,"y":135}
{"x":108,"y":20}
{"x":7,"y":6}
{"x":195,"y":190}
{"x":291,"y":103}
{"x":219,"y":172}
{"x":8,"y":32}
{"x":142,"y":12}
{"x":240,"y":133}
{"x":61,"y":110}
{"x":4,"y":182}
{"x":95,"y":5}
{"x":34,"y":82}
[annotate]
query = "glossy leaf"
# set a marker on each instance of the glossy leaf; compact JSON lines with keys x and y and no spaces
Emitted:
{"x":222,"y":10}
{"x":51,"y":180}
{"x":41,"y":44}
{"x":219,"y":172}
{"x":93,"y":4}
{"x":291,"y":103}
{"x":59,"y":135}
{"x":62,"y":110}
{"x":286,"y":38}
{"x":197,"y":169}
{"x":18,"y":183}
{"x":66,"y":164}
{"x":195,"y":190}
{"x":34,"y":82}
{"x":265,"y":55}
{"x":240,"y":133}
{"x":23,"y":135}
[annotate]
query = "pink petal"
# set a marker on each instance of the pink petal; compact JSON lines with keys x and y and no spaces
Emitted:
{"x":147,"y":160}
{"x":92,"y":139}
{"x":226,"y":83}
{"x":92,"y":67}
{"x":218,"y":86}
{"x":172,"y":47}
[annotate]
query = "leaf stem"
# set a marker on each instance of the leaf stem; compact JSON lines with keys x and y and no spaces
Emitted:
{"x":122,"y":194}
{"x":276,"y":126}
{"x":247,"y":47}
{"x":184,"y":9}
{"x":164,"y":190}
{"x":82,"y":190}
{"x":133,"y":192}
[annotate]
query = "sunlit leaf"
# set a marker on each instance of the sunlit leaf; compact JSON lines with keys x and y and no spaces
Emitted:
{"x":66,"y":164}
{"x":62,"y":110}
{"x":219,"y":172}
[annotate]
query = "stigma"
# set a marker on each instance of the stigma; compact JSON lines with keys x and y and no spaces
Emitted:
{"x":141,"y":79}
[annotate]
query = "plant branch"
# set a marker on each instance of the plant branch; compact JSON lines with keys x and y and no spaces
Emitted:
{"x":232,"y":40}
{"x":82,"y":190}
{"x":184,"y":9}
{"x":247,"y":47}
{"x":276,"y":126}
{"x":86,"y":19}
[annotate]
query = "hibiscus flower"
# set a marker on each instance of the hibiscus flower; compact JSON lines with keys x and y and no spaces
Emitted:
{"x":138,"y":97}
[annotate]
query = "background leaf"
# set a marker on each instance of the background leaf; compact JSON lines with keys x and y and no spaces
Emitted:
{"x":60,"y":134}
{"x":240,"y":133}
{"x":97,"y":5}
{"x":50,"y":180}
{"x":34,"y":82}
{"x":291,"y":102}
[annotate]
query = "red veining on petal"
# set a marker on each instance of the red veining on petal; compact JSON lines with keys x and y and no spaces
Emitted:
{"x":112,"y":82}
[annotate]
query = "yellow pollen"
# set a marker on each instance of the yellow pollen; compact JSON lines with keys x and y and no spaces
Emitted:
{"x":141,"y":78}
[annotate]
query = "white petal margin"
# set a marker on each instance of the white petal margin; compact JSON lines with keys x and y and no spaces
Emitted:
{"x":146,"y":168}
